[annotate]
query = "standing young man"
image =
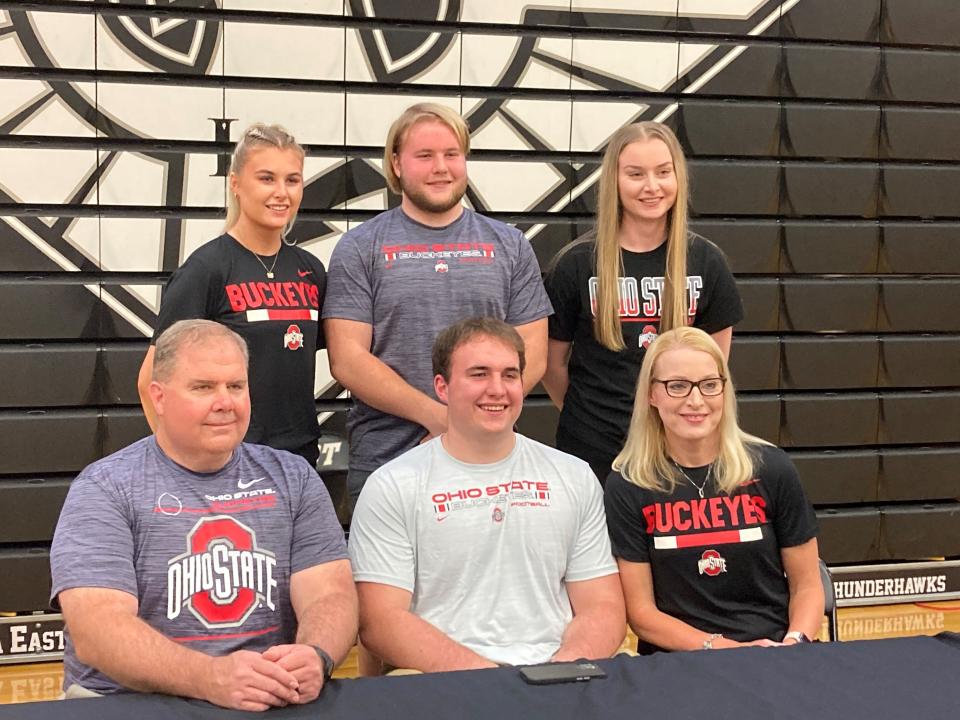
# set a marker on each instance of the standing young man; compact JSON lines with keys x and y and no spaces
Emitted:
{"x":483,"y":547}
{"x":403,"y":276}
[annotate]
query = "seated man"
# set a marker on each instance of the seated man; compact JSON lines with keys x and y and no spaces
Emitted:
{"x":191,"y":563}
{"x":483,"y":547}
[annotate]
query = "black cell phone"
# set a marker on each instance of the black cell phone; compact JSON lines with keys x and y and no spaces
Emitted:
{"x":562,"y":672}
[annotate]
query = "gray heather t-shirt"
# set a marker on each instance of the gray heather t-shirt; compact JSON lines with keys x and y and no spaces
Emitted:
{"x":410,"y":281}
{"x":208,"y":556}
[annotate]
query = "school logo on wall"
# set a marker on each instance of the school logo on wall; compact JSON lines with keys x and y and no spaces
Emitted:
{"x":129,"y":236}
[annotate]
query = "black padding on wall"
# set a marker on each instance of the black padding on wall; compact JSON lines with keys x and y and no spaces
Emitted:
{"x":830,"y":247}
{"x":830,"y":420}
{"x":926,"y":473}
{"x":122,"y":426}
{"x":917,"y":75}
{"x":830,"y":362}
{"x":921,"y":248}
{"x":121,"y":365}
{"x":754,"y":73}
{"x":760,"y":416}
{"x":920,"y":417}
{"x":840,"y":189}
{"x":841,"y":477}
{"x":814,"y":71}
{"x":918,"y":532}
{"x":48,"y":310}
{"x":29,"y":508}
{"x":921,"y":191}
{"x":755,"y":362}
{"x":29,"y":569}
{"x":833,"y":304}
{"x":751,"y":246}
{"x":48,"y":441}
{"x":47,"y":375}
{"x":920,"y":22}
{"x":850,"y":535}
{"x":916,"y":133}
{"x":920,"y":361}
{"x":761,"y":305}
{"x":817,"y":20}
{"x":919,"y":305}
{"x":830,"y":131}
{"x":726,"y":187}
{"x":730,"y":128}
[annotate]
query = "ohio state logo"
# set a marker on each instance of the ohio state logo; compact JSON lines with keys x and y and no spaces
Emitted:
{"x":293,"y":338}
{"x":648,"y":336}
{"x":223,"y":575}
{"x":441,"y":266}
{"x":710,"y":563}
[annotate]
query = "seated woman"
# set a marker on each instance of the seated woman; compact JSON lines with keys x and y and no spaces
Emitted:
{"x":714,"y":536}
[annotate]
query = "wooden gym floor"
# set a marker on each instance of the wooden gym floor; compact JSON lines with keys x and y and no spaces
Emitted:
{"x":41,"y":681}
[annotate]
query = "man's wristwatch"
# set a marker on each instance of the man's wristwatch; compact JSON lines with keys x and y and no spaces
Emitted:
{"x":798,"y":636}
{"x":325,"y":661}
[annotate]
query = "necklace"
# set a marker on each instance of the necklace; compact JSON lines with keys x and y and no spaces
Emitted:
{"x":272,"y":265}
{"x":699,"y":488}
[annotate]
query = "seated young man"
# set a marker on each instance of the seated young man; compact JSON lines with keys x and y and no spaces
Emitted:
{"x":192,"y":563}
{"x":482,"y":547}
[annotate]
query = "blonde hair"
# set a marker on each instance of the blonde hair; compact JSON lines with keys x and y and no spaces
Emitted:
{"x":257,"y":136}
{"x":644,"y":460}
{"x":607,"y":255}
{"x":410,"y":117}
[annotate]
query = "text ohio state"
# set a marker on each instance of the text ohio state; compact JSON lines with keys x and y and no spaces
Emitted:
{"x":220,"y":571}
{"x":251,"y":295}
{"x":490,"y":491}
{"x":705,"y":514}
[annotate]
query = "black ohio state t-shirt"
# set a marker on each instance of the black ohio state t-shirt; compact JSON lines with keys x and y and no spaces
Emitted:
{"x":716,"y":561}
{"x":599,"y":400}
{"x":279,"y":319}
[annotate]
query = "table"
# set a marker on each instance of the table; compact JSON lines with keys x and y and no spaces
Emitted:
{"x":916,"y":677}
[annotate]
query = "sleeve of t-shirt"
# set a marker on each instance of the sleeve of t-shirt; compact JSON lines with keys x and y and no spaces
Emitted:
{"x":794,"y":520}
{"x":722,"y":306}
{"x":561,"y":285}
{"x":317,"y":534}
{"x":349,"y":285}
{"x":380,"y":547}
{"x":528,"y":299}
{"x":625,"y":522}
{"x":93,"y":543}
{"x":320,"y":273}
{"x":188,"y":295}
{"x":590,"y":556}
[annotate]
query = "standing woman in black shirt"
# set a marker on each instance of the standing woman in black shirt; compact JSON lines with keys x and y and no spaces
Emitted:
{"x":713,"y":534}
{"x":640,"y":272}
{"x":268,"y":291}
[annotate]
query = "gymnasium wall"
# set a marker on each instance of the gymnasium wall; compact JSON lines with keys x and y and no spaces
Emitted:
{"x":824,"y":159}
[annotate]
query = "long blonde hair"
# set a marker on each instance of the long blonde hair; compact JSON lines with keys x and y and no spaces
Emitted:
{"x":645,"y":461}
{"x":608,"y":259}
{"x":258,"y":135}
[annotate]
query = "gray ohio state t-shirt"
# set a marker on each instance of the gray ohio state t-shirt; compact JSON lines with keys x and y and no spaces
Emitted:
{"x":207,"y":555}
{"x":410,"y":281}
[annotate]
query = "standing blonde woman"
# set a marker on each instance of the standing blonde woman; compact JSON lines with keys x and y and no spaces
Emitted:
{"x":639,"y":273}
{"x":713,"y":534}
{"x":267,"y":291}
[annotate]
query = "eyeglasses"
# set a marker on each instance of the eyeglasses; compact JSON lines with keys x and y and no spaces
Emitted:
{"x":708,"y":387}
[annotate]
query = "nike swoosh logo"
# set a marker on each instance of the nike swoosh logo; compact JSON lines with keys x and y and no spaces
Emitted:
{"x":244,"y":485}
{"x":304,"y":273}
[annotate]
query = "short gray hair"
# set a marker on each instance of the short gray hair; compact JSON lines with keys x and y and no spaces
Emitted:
{"x":190,"y":332}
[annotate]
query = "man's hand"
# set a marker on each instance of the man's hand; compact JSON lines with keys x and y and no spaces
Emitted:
{"x":303,"y":662}
{"x":245,"y":680}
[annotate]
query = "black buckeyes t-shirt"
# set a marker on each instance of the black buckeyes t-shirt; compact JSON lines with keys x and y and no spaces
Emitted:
{"x":599,"y":400}
{"x":279,"y":318}
{"x":716,"y":560}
